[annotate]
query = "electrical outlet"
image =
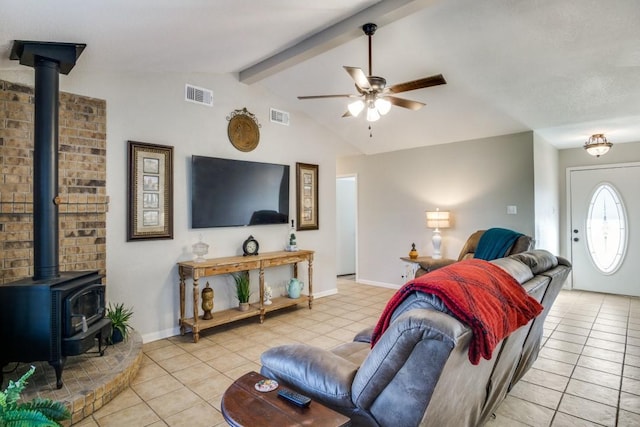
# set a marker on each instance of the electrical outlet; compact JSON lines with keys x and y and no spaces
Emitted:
{"x":512,"y":210}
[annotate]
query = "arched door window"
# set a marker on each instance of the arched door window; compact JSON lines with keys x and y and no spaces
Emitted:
{"x":606,"y":228}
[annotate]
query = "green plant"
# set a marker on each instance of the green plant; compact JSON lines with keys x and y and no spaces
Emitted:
{"x":37,"y":413}
{"x":243,"y":289}
{"x":119,"y":316}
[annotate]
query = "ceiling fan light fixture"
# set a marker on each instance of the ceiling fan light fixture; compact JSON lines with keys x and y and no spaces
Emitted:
{"x":356,"y":107}
{"x":383,"y":106}
{"x":597,"y":145}
{"x":372,"y":114}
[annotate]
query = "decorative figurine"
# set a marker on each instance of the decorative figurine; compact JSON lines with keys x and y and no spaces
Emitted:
{"x":413,"y":253}
{"x":268,"y":293}
{"x":207,"y":302}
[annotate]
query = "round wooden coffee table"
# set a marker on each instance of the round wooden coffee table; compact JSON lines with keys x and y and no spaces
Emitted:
{"x":243,"y":405}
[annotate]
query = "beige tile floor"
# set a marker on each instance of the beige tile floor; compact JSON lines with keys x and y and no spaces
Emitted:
{"x":588,"y":372}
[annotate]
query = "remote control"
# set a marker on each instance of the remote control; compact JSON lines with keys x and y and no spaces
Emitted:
{"x":295,"y":398}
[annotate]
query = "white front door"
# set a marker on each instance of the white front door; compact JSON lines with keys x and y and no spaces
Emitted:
{"x":605,"y":228}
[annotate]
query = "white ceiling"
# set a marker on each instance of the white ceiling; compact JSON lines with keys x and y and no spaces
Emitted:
{"x":565,"y":69}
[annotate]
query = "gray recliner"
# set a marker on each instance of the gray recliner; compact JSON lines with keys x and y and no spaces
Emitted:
{"x":419,"y":372}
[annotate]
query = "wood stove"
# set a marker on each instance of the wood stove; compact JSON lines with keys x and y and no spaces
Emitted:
{"x":51,"y":315}
{"x":52,"y":319}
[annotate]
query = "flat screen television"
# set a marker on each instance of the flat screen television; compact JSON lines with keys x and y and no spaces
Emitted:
{"x":230,"y":193}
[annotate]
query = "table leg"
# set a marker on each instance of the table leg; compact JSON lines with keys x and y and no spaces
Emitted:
{"x":196,"y":331}
{"x":182,"y":296}
{"x":310,"y":262}
{"x":261,"y":285}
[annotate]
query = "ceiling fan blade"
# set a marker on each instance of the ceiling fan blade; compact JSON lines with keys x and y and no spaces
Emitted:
{"x":359,"y":77}
{"x":405,"y":103}
{"x":327,"y":96}
{"x":417,"y":84}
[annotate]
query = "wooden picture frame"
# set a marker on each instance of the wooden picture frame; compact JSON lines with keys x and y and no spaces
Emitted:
{"x":306,"y":197}
{"x":150,"y":185}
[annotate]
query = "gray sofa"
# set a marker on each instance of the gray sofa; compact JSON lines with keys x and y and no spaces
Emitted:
{"x":419,"y":372}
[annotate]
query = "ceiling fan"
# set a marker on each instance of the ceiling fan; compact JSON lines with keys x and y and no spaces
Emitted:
{"x":373,"y":93}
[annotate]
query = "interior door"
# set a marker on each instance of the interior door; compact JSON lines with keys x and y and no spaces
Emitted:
{"x":605,"y":229}
{"x":346,"y":225}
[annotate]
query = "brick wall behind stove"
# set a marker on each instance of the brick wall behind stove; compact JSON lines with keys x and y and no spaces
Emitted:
{"x":82,"y":182}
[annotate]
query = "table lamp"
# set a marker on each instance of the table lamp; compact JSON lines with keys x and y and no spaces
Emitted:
{"x":437,"y":219}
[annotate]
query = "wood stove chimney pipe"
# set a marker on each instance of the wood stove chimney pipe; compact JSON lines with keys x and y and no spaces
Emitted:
{"x":49,"y":59}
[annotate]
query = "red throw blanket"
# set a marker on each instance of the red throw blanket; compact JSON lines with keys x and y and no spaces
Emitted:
{"x":480,"y":294}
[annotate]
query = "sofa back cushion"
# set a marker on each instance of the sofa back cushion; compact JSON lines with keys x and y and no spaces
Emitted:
{"x":396,"y":380}
{"x":522,"y":244}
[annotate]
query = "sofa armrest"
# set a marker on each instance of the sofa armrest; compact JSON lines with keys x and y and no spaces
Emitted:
{"x":364,"y":335}
{"x":428,"y":264}
{"x":312,"y":371}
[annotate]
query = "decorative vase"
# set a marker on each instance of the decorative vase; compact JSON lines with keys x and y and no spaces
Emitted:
{"x":207,"y":302}
{"x":243,"y":306}
{"x":413,"y":253}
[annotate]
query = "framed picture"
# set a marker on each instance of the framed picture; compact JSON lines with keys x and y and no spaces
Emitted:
{"x":150,"y":184}
{"x":307,"y":196}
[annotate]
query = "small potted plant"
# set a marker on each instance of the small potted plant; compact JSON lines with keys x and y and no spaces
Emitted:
{"x":36,"y":413}
{"x":119,"y":316}
{"x":243,"y":289}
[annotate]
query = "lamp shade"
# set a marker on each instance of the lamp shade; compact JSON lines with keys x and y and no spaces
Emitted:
{"x":356,"y":107}
{"x":438,"y":219}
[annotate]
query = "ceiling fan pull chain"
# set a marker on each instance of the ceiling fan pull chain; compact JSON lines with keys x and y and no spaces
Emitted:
{"x":370,"y":132}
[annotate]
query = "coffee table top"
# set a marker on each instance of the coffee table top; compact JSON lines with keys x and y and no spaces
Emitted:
{"x":243,"y":405}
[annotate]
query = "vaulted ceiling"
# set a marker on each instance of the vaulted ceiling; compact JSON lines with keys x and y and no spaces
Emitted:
{"x":564,"y":69}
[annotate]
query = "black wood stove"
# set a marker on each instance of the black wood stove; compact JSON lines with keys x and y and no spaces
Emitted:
{"x":51,"y":315}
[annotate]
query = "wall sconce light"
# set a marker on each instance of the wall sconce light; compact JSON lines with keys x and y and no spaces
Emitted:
{"x":597,"y":145}
{"x":437,"y":219}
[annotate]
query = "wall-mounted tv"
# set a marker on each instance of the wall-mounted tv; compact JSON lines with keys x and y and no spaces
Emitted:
{"x":230,"y":193}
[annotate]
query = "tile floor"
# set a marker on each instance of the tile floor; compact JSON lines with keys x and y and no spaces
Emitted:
{"x":588,"y":372}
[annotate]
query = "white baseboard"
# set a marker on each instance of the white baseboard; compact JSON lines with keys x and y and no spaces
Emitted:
{"x":326,"y":293}
{"x":379,"y":284}
{"x":159,"y":335}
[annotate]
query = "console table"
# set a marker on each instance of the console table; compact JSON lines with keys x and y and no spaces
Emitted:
{"x":216,"y":266}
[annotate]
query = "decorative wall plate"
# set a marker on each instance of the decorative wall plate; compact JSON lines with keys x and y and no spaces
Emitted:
{"x":243,"y":130}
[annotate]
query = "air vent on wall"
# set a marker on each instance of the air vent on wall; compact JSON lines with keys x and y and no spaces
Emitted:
{"x":198,"y":95}
{"x":278,"y":116}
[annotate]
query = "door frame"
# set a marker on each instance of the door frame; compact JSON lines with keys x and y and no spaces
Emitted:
{"x":355,"y":177}
{"x":569,"y":246}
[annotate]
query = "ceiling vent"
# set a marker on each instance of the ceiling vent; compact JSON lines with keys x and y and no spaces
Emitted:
{"x":198,"y":95}
{"x":278,"y":116}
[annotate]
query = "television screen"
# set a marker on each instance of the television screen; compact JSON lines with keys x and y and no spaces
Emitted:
{"x":228,"y":193}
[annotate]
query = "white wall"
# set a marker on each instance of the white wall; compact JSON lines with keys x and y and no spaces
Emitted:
{"x":151,"y":108}
{"x":547,"y":195}
{"x":475,"y":180}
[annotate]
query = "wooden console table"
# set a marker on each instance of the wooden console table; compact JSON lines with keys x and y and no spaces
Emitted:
{"x":216,"y":266}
